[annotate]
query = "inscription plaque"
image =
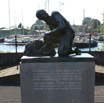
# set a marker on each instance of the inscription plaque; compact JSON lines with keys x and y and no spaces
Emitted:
{"x":52,"y":79}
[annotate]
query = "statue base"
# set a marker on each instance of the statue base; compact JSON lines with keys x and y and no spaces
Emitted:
{"x":57,"y":79}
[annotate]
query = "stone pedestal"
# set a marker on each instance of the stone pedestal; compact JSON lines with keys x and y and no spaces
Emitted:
{"x":57,"y":79}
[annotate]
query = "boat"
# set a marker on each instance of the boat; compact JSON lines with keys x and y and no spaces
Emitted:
{"x":1,"y":40}
{"x":85,"y":43}
{"x":101,"y":38}
{"x":14,"y":42}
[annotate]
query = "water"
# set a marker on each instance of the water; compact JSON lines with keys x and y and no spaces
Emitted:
{"x":12,"y":48}
{"x":99,"y":45}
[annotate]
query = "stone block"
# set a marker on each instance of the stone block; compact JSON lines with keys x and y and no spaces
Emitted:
{"x":57,"y":79}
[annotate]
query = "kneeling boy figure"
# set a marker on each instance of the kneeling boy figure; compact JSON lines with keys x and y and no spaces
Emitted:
{"x":60,"y":33}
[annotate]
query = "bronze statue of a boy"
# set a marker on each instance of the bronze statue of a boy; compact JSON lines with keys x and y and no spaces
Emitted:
{"x":60,"y":32}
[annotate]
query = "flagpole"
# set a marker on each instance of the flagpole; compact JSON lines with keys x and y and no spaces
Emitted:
{"x":60,"y":6}
{"x":9,"y":12}
{"x":22,"y":23}
{"x":48,"y":6}
{"x":45,"y":4}
{"x":83,"y":14}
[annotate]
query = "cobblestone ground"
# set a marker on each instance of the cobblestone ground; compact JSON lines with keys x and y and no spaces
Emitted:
{"x":11,"y":94}
{"x":99,"y":94}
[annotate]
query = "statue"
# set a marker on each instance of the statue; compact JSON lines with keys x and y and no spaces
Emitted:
{"x":60,"y":33}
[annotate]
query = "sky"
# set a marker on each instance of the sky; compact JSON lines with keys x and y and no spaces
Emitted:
{"x":24,"y":11}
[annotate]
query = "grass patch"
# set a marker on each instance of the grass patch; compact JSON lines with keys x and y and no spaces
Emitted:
{"x":5,"y":52}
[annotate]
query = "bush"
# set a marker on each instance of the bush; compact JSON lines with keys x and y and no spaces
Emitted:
{"x":102,"y":48}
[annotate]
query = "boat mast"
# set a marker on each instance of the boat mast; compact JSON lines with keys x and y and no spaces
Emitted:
{"x":103,"y":17}
{"x":60,"y":6}
{"x":9,"y":12}
{"x":22,"y":23}
{"x":48,"y":6}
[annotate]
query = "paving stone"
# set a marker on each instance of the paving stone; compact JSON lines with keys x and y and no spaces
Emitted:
{"x":11,"y":94}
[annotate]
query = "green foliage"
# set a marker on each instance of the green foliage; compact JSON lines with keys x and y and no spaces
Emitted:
{"x":102,"y":48}
{"x":39,"y":22}
{"x":95,"y":23}
{"x":4,"y":52}
{"x":39,"y":25}
{"x":102,"y":29}
{"x":80,"y":28}
{"x":85,"y":30}
{"x":96,"y":30}
{"x":46,"y":27}
{"x":91,"y":25}
{"x":86,"y":20}
{"x":20,"y":25}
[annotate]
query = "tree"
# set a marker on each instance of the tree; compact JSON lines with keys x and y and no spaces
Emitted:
{"x":85,"y":29}
{"x":39,"y":25}
{"x":40,"y":22}
{"x":102,"y":29}
{"x":80,"y":29}
{"x":95,"y":23}
{"x":86,"y":20}
{"x":20,"y":25}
